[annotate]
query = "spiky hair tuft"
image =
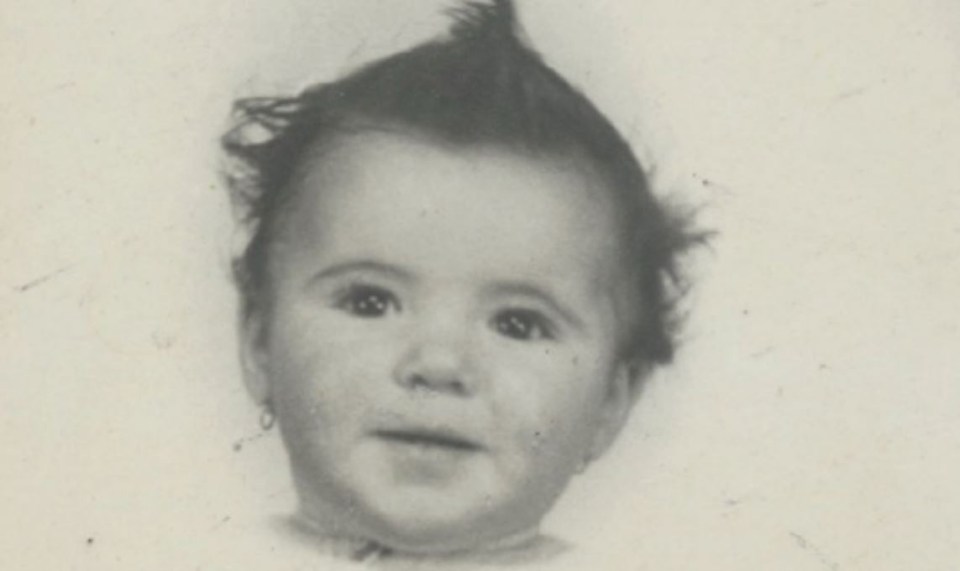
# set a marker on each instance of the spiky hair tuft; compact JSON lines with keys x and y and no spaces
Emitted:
{"x":496,"y":19}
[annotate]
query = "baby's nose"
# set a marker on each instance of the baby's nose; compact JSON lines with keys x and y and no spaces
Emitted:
{"x":437,"y":361}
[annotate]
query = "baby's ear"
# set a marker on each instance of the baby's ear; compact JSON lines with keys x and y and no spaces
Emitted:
{"x":253,"y":354}
{"x":622,"y":393}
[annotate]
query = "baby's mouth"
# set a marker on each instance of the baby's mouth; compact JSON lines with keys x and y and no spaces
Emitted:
{"x":429,"y":438}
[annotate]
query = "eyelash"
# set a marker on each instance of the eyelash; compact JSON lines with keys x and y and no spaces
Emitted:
{"x":524,"y":325}
{"x":367,"y":301}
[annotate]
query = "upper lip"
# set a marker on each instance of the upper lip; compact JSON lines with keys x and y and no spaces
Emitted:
{"x":429,"y":435}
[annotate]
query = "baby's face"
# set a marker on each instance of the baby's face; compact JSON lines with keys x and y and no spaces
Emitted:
{"x":441,"y":347}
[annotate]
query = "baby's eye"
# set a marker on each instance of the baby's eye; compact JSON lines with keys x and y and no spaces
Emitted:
{"x":523,"y":325}
{"x":367,"y":301}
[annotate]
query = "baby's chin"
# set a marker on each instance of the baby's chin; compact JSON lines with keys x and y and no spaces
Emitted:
{"x":429,"y":504}
{"x":422,"y":501}
{"x":425,"y":525}
{"x":413,"y":527}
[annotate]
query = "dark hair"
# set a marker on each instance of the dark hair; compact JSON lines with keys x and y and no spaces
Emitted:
{"x":481,"y":85}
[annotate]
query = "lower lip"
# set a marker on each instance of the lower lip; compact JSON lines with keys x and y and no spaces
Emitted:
{"x":423,"y":462}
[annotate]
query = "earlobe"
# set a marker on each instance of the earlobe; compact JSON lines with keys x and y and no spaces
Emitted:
{"x":621,"y":395}
{"x":253,"y":356}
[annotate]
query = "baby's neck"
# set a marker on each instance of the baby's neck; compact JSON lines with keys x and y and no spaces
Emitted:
{"x":527,"y":545}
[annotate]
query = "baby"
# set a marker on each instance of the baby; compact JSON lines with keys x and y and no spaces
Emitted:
{"x":457,"y":278}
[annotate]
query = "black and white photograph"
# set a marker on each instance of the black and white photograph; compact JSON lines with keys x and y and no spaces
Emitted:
{"x":477,"y":284}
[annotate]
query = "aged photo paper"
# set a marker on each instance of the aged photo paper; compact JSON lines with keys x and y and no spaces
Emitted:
{"x":810,"y":420}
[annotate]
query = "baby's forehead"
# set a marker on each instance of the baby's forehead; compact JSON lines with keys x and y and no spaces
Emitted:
{"x":409,"y":163}
{"x":369,"y":145}
{"x":402,"y":158}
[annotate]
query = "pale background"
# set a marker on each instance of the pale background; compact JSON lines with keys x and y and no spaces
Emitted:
{"x":813,"y":419}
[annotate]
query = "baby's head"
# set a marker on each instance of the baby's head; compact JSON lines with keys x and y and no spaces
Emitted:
{"x":456,"y":280}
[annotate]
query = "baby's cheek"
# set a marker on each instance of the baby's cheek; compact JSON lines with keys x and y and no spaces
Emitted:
{"x":305,"y":382}
{"x":538,"y":404}
{"x":518,"y":392}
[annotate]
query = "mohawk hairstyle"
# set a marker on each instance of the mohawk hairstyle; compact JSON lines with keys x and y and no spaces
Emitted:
{"x":482,"y":85}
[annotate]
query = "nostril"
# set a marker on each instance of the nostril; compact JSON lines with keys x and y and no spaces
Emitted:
{"x":433,"y":375}
{"x":435,"y":383}
{"x":417,"y":381}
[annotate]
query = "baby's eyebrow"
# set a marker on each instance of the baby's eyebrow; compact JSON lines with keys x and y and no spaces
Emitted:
{"x":362,"y":266}
{"x":527,"y":289}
